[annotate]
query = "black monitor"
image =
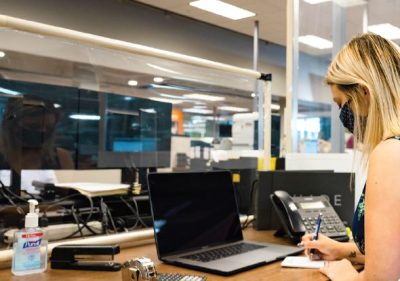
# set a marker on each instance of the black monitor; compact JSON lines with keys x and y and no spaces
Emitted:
{"x":138,"y":134}
{"x":225,"y":130}
{"x":134,"y":132}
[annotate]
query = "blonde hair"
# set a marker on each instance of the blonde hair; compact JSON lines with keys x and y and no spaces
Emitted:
{"x":370,"y":62}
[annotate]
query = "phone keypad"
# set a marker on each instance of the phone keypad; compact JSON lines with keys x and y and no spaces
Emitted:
{"x":331,"y":225}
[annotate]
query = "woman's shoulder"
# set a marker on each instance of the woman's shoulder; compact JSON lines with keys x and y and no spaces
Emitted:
{"x":384,"y":163}
{"x":386,"y":150}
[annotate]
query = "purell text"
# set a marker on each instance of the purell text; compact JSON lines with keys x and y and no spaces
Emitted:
{"x":32,"y":244}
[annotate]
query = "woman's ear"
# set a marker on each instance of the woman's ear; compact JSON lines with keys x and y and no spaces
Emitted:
{"x":366,"y":93}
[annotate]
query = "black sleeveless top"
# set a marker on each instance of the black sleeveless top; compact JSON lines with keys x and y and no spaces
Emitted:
{"x":358,"y":223}
{"x":358,"y":219}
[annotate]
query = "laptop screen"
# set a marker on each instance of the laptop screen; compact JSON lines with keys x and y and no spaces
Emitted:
{"x":193,"y":210}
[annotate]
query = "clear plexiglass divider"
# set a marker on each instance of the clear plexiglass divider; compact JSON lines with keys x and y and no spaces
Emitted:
{"x":95,"y":89}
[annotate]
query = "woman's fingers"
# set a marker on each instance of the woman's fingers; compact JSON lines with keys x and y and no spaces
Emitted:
{"x":314,"y":244}
{"x":307,"y":237}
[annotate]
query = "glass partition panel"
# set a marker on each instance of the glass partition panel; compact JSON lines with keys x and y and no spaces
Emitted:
{"x":74,"y":107}
{"x":324,"y":27}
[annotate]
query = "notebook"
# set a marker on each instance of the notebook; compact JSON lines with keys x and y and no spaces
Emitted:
{"x":301,"y":262}
{"x":196,"y":224}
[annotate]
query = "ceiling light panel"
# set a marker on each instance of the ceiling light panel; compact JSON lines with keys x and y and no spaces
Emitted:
{"x":222,"y":9}
{"x":204,"y":97}
{"x":171,"y":96}
{"x":350,"y":3}
{"x":9,"y":92}
{"x":132,"y":83}
{"x":385,"y":30}
{"x":197,"y":110}
{"x":85,"y":117}
{"x":158,"y":79}
{"x":315,"y":42}
{"x":167,"y":100}
{"x":233,"y":108}
{"x":313,"y":2}
{"x":342,"y":3}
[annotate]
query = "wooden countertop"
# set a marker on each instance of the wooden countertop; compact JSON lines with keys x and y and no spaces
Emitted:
{"x":269,"y":272}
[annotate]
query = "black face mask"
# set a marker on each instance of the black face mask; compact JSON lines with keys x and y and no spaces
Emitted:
{"x":347,"y":116}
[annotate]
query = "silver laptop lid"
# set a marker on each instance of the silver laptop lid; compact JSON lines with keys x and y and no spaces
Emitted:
{"x":193,"y":210}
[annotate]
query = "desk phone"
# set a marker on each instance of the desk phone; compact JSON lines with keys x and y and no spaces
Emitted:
{"x":299,"y":214}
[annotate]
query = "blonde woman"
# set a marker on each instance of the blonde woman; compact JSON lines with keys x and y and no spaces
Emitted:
{"x":365,"y":82}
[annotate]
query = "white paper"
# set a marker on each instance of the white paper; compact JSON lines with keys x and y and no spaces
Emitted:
{"x":94,"y":187}
{"x":301,"y":262}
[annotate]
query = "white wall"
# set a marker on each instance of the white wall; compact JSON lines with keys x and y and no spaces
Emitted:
{"x":179,"y":145}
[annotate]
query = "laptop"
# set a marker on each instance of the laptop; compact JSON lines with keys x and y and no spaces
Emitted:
{"x":196,"y":224}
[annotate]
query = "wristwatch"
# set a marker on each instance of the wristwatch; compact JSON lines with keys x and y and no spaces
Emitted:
{"x":139,"y":269}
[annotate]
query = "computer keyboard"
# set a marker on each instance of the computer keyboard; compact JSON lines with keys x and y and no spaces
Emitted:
{"x":179,"y":277}
{"x":223,"y":252}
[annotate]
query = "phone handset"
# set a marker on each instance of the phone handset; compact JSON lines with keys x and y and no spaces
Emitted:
{"x":288,"y":214}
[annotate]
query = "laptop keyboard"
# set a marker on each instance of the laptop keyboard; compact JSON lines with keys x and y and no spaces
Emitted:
{"x":215,"y":254}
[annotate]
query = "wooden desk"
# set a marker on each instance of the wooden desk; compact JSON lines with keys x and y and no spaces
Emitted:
{"x":270,"y":272}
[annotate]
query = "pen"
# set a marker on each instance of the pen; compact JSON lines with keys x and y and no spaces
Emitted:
{"x":316,"y":231}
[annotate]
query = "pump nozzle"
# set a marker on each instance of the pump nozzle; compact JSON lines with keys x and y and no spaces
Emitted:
{"x":32,"y":204}
{"x":32,"y":218}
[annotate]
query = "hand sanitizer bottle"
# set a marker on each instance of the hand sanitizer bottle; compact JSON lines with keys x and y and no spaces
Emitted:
{"x":30,"y":245}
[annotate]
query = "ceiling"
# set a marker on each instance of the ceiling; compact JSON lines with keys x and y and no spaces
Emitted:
{"x":271,"y":14}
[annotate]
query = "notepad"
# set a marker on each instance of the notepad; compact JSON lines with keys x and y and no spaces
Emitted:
{"x":301,"y":262}
{"x":96,"y":189}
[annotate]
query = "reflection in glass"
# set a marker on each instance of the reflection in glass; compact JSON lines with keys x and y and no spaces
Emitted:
{"x":53,"y":127}
{"x":28,"y":137}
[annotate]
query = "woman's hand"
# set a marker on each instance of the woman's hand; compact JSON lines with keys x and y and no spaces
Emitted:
{"x":339,"y":270}
{"x":325,"y":247}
